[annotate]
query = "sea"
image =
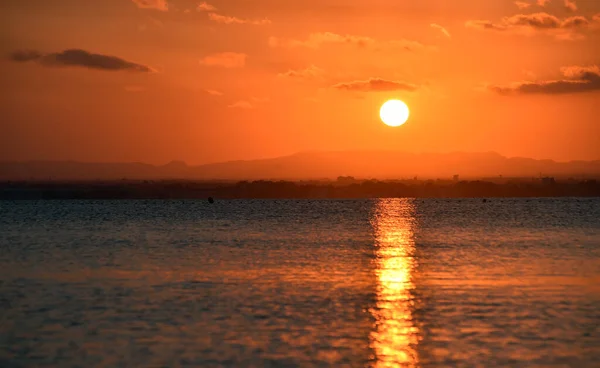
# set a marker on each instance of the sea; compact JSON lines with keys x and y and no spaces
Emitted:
{"x":300,"y":283}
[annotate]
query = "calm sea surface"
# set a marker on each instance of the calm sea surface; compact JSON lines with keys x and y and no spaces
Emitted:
{"x":251,"y":283}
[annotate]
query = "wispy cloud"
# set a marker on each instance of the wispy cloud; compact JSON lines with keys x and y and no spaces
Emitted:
{"x":522,"y":4}
{"x":249,"y":104}
{"x":441,"y":29}
{"x":224,"y":19}
{"x":316,"y":40}
{"x":308,"y":73}
{"x":205,"y":7}
{"x":569,"y":28}
{"x":576,"y":79}
{"x":542,"y":3}
{"x":214,"y":92}
{"x":241,"y":105}
{"x":375,"y":85}
{"x":79,"y":58}
{"x":161,"y":5}
{"x":537,"y":20}
{"x":570,"y":5}
{"x":225,"y":60}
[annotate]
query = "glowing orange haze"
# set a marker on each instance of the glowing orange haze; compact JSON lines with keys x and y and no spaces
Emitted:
{"x":157,"y":80}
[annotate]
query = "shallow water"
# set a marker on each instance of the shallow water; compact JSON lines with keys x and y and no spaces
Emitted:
{"x":382,"y":283}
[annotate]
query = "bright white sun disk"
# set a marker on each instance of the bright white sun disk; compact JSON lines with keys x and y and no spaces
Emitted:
{"x":394,"y":113}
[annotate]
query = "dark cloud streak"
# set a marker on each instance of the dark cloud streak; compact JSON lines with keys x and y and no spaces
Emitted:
{"x":79,"y":58}
{"x":540,"y":21}
{"x":570,"y":28}
{"x":578,"y":80}
{"x":375,"y":85}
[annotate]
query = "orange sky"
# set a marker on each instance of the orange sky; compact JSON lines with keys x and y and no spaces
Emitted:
{"x":162,"y":80}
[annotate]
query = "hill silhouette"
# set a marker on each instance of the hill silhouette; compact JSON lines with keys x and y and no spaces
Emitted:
{"x":309,"y":165}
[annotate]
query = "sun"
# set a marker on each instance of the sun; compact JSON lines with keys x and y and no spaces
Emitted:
{"x":394,"y":113}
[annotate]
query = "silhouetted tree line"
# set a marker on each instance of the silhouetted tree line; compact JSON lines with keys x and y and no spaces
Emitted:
{"x":287,"y":189}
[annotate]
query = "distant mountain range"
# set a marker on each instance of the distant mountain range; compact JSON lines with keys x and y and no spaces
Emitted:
{"x":310,"y":165}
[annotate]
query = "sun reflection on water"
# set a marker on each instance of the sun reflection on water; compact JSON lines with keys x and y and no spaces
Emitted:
{"x":394,"y":337}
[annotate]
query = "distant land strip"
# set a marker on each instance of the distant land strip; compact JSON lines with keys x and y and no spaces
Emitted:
{"x":340,"y":189}
{"x":382,"y":165}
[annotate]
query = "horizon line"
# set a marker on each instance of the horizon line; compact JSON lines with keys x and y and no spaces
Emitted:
{"x":291,"y":155}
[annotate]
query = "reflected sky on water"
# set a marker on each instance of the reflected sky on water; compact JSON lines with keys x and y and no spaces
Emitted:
{"x":384,"y":283}
{"x":395,"y":335}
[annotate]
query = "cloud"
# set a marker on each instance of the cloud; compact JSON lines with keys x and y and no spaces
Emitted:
{"x":576,"y":79}
{"x":161,"y":5}
{"x":484,"y":24}
{"x":375,"y":85}
{"x":316,"y":40}
{"x":309,"y":73}
{"x":570,"y":5}
{"x":205,"y":7}
{"x":214,"y":92}
{"x":580,"y":72}
{"x":536,"y":20}
{"x":26,"y":55}
{"x":224,"y":19}
{"x":522,"y":4}
{"x":442,"y":29}
{"x":566,"y":29}
{"x":542,"y":3}
{"x":225,"y":60}
{"x":241,"y":105}
{"x":249,"y":104}
{"x":575,"y":22}
{"x":79,"y":58}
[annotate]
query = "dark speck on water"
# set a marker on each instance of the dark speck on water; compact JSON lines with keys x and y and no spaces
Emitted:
{"x":309,"y":283}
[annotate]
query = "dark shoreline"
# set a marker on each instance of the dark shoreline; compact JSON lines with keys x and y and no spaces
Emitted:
{"x":170,"y":189}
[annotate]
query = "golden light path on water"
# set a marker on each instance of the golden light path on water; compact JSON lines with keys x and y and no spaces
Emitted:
{"x":394,"y":337}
